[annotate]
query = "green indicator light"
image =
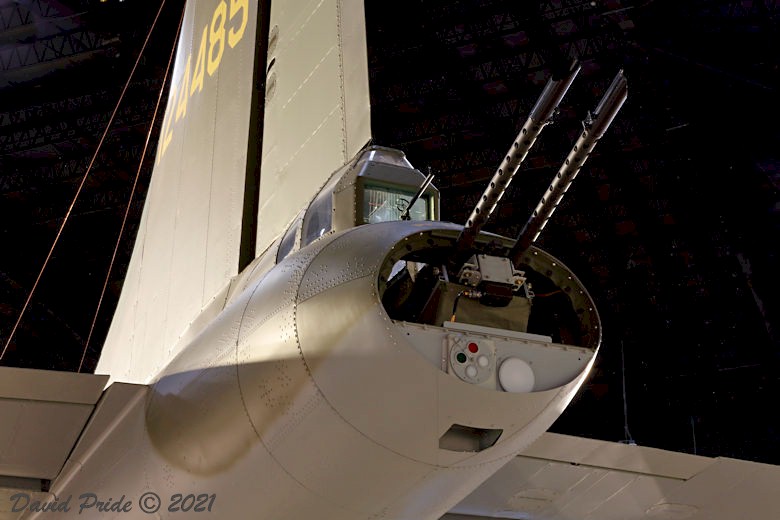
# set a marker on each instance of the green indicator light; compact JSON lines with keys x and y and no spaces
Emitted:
{"x":461,"y":357}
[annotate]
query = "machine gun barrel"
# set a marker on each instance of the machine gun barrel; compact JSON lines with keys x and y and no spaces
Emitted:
{"x":428,"y":179}
{"x":540,"y":116}
{"x":594,"y":127}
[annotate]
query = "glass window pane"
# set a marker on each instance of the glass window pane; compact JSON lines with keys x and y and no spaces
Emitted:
{"x":385,"y":204}
{"x":288,"y":241}
{"x":318,"y":218}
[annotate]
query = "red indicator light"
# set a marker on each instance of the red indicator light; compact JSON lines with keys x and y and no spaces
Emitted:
{"x":473,"y":348}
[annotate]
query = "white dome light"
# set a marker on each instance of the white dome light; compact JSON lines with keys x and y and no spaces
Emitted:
{"x":517,"y":376}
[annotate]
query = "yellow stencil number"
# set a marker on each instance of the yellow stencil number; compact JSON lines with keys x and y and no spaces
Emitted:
{"x":211,"y":49}
{"x":217,"y":37}
{"x":181,"y":106}
{"x":235,"y":35}
{"x":166,"y":134}
{"x":200,"y":65}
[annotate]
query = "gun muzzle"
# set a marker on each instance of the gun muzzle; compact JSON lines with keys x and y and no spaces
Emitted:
{"x":548,"y":101}
{"x":594,"y":127}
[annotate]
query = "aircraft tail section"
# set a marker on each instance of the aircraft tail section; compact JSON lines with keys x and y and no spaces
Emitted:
{"x":189,"y":239}
{"x":263,"y":95}
{"x":317,"y":111}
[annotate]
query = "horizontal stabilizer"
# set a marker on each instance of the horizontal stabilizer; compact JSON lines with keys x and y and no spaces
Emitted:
{"x":50,"y":425}
{"x":569,"y":478}
{"x":42,"y":414}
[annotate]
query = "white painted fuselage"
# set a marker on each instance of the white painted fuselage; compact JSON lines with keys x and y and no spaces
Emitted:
{"x":299,"y":396}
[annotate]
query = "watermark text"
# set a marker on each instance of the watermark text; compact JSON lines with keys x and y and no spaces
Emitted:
{"x":149,"y":503}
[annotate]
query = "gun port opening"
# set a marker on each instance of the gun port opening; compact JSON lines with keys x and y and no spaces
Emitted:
{"x":540,"y":296}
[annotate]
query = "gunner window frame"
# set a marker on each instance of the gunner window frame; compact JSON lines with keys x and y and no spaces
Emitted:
{"x":403,"y":191}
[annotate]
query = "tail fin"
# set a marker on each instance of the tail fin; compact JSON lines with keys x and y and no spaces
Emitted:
{"x":317,"y":105}
{"x":203,"y":191}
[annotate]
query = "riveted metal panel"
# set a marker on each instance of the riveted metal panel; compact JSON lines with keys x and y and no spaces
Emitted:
{"x":346,"y":350}
{"x":346,"y":259}
{"x":348,"y":342}
{"x":277,"y":391}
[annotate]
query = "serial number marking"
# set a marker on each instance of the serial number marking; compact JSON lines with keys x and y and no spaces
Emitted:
{"x":211,"y":50}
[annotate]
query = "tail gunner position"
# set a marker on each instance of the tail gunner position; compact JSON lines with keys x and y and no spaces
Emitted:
{"x":407,"y":359}
{"x":351,"y":356}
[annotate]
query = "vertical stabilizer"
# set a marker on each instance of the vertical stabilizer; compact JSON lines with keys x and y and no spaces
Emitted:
{"x":188,"y":242}
{"x":317,"y":104}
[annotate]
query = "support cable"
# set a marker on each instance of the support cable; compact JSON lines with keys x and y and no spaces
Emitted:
{"x":81,"y":185}
{"x":132,"y":194}
{"x":628,"y":439}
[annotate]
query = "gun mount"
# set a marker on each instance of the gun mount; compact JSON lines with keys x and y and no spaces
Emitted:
{"x":477,"y":278}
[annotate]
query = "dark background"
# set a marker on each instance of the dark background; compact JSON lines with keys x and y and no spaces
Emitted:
{"x":672,"y":224}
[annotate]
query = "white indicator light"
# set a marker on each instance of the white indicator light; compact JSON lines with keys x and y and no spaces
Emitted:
{"x":471,"y":371}
{"x":517,"y":376}
{"x":483,"y":361}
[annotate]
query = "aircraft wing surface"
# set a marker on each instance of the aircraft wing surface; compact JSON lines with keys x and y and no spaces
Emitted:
{"x":49,"y":422}
{"x":42,"y":414}
{"x":560,"y":477}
